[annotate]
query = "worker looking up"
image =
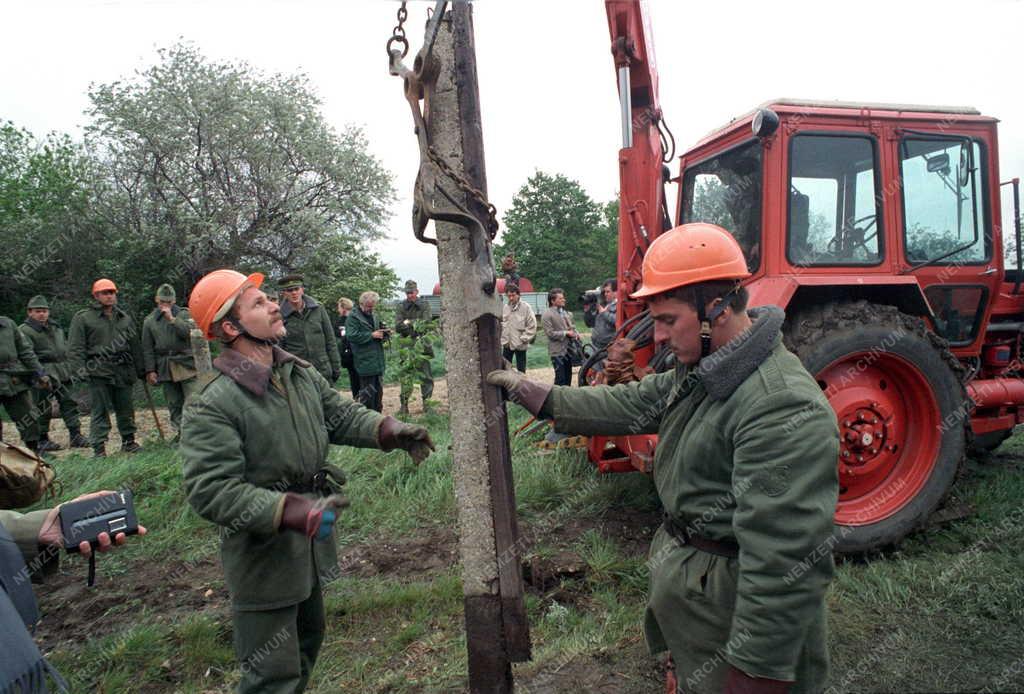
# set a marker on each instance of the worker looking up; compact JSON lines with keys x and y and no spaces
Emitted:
{"x":745,"y":468}
{"x":254,"y":443}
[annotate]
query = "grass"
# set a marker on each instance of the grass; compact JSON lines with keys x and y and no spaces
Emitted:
{"x":941,"y":613}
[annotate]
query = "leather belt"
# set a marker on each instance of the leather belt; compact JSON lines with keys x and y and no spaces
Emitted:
{"x":682,"y":535}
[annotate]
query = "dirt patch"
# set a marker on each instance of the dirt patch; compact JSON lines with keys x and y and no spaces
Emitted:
{"x":627,"y":668}
{"x":73,"y":612}
{"x":427,"y":551}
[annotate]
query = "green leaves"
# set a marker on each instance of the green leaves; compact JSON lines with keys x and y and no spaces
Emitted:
{"x":560,"y":237}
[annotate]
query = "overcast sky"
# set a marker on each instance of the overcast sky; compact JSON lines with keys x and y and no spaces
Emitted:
{"x":547,"y":81}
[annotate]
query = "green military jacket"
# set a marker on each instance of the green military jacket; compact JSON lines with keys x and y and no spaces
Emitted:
{"x":18,"y":362}
{"x":105,"y":348}
{"x":747,"y":451}
{"x":311,"y":336}
{"x":165,"y":341}
{"x":413,"y":311}
{"x":24,"y":529}
{"x":367,"y":352}
{"x":252,"y":433}
{"x":50,"y":346}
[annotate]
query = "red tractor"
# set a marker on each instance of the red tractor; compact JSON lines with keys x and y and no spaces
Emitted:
{"x":877,"y":228}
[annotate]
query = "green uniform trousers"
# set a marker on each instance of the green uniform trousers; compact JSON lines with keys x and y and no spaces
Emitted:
{"x":277,"y":649}
{"x":176,"y":393}
{"x":106,"y":398}
{"x":689,"y":612}
{"x":19,"y":408}
{"x":61,"y":392}
{"x":426,"y":379}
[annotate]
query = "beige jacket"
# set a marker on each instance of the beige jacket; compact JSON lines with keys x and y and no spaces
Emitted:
{"x":556,"y":325}
{"x":518,"y":327}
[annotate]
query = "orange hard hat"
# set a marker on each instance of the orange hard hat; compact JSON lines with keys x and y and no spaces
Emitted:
{"x":688,"y":254}
{"x":103,"y":285}
{"x":215,"y":294}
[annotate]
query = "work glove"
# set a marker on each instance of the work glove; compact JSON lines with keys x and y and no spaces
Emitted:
{"x":43,"y":381}
{"x":411,"y":438}
{"x":521,"y":390}
{"x":313,"y":518}
{"x":739,"y":682}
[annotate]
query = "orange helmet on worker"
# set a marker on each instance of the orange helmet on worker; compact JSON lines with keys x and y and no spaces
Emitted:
{"x":226,"y":305}
{"x":692,"y":282}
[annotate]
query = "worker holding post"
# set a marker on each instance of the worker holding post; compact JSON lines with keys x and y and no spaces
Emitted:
{"x":745,"y":468}
{"x":50,"y":345}
{"x":254,"y":443}
{"x":103,"y":342}
{"x":167,"y":351}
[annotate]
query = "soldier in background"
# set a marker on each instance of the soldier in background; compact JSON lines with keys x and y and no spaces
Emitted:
{"x":19,"y":367}
{"x":50,"y":346}
{"x":310,"y":332}
{"x":167,"y":351}
{"x":104,"y":348}
{"x":409,"y":311}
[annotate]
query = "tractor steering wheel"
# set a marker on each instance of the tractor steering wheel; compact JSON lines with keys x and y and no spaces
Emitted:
{"x":853,"y":237}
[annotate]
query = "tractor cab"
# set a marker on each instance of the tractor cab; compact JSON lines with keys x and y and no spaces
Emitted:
{"x":890,"y":203}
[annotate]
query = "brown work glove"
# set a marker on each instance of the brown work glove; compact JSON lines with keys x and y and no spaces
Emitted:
{"x":618,"y":365}
{"x":411,"y":438}
{"x":312,"y":518}
{"x":520,"y":389}
{"x":739,"y":682}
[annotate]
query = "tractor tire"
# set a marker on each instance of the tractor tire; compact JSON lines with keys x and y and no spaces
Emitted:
{"x":983,"y":444}
{"x":900,"y":404}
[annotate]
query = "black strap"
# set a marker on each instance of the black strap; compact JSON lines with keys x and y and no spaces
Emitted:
{"x":683,"y":535}
{"x":92,"y":569}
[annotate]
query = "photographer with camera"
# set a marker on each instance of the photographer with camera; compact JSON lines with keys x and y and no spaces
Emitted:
{"x":560,"y":329}
{"x":367,"y":335}
{"x":33,"y":540}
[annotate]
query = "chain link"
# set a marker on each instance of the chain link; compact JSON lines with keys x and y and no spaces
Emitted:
{"x":469,"y":189}
{"x":398,"y":33}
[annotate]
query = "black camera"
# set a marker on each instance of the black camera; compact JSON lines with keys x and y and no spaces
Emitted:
{"x":590,"y":297}
{"x":84,"y":520}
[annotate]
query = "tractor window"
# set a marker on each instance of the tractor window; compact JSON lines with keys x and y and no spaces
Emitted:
{"x":833,"y":203}
{"x":958,"y":311}
{"x":942,"y":205}
{"x":726,"y":190}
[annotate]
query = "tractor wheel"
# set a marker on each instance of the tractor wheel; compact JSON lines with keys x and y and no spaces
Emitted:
{"x":899,"y":401}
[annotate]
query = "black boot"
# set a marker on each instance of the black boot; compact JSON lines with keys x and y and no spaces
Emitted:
{"x":99,"y":451}
{"x":128,"y":445}
{"x":46,"y":445}
{"x":78,"y":441}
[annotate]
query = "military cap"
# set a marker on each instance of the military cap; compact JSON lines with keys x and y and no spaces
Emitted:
{"x":289,"y":281}
{"x":38,"y":301}
{"x":410,"y":286}
{"x":166,"y":293}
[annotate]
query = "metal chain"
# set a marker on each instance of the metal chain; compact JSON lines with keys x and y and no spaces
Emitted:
{"x":398,"y":33}
{"x":469,"y":189}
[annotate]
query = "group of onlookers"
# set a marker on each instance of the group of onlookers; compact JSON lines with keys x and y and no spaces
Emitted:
{"x":519,"y":328}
